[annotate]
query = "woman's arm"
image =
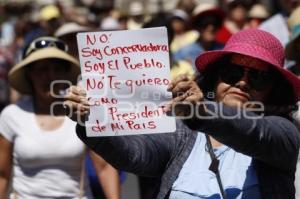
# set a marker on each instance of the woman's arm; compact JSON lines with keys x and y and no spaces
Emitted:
{"x":271,"y":139}
{"x":108,"y":177}
{"x":6,"y":149}
{"x":140,"y":154}
{"x":145,"y":155}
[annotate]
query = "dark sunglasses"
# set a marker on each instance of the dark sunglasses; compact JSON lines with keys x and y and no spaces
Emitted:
{"x":45,"y":42}
{"x":257,"y":79}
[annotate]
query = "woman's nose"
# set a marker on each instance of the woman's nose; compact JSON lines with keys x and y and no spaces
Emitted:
{"x":243,"y":83}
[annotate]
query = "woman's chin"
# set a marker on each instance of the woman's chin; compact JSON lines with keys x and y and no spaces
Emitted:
{"x":234,"y":102}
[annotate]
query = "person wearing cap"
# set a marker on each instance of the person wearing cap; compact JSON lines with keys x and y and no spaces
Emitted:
{"x":207,"y":19}
{"x":136,"y":15}
{"x":50,"y":18}
{"x":235,"y":139}
{"x":67,"y":33}
{"x":39,"y":151}
{"x":256,"y":15}
{"x":182,"y":35}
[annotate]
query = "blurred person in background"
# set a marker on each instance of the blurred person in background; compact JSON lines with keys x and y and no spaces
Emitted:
{"x":235,"y":21}
{"x":183,"y":36}
{"x":285,"y":7}
{"x":45,"y":20}
{"x":34,"y":153}
{"x":187,"y":6}
{"x":136,"y":15}
{"x":114,"y":19}
{"x":178,"y":67}
{"x":6,"y":62}
{"x":15,"y":15}
{"x":50,"y":17}
{"x":207,"y":20}
{"x":79,"y":15}
{"x":292,"y":48}
{"x":257,"y":14}
{"x":67,"y":33}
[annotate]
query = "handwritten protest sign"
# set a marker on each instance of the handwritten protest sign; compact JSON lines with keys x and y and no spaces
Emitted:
{"x":126,"y":74}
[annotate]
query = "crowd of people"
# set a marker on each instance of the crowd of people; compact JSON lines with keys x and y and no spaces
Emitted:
{"x":235,"y":54}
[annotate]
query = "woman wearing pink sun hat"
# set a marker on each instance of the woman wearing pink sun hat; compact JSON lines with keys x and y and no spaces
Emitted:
{"x":235,"y":137}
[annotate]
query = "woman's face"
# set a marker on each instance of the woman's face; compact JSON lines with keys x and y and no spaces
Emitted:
{"x":244,"y":80}
{"x":208,"y":34}
{"x":43,"y":73}
{"x":178,"y":26}
{"x":238,"y":14}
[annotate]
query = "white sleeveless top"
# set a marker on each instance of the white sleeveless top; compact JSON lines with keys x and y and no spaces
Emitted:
{"x":45,"y":164}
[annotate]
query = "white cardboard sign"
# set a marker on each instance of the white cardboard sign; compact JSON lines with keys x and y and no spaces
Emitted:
{"x":126,"y":74}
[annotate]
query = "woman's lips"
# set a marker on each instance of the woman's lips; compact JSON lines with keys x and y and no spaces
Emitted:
{"x":244,"y":95}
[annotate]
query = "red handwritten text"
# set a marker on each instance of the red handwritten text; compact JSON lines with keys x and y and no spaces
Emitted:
{"x":146,"y":63}
{"x":102,"y":100}
{"x":145,"y":113}
{"x":101,"y":66}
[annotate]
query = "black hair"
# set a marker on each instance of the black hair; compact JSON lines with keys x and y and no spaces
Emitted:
{"x":282,"y":100}
{"x":208,"y":79}
{"x":203,"y":21}
{"x":236,"y":3}
{"x":161,"y":19}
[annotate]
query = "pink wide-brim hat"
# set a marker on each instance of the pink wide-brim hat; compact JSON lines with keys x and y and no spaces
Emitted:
{"x":257,"y":44}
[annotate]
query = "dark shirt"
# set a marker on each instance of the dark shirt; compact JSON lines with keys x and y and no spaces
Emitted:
{"x":273,"y":143}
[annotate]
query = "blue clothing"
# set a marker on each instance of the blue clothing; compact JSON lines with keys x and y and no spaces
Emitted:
{"x":192,"y":51}
{"x":237,"y":172}
{"x":93,"y":178}
{"x":272,"y":142}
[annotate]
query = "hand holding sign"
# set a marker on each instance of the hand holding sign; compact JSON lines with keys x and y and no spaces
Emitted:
{"x":125,"y":75}
{"x":76,"y":106}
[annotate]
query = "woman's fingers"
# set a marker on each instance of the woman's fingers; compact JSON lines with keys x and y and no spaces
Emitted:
{"x":180,"y":78}
{"x":181,"y":85}
{"x":76,"y":90}
{"x":76,"y":104}
{"x":186,"y":95}
{"x":183,"y":90}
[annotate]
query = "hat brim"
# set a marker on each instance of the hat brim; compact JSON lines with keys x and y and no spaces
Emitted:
{"x":70,"y":31}
{"x":211,"y":56}
{"x":16,"y":75}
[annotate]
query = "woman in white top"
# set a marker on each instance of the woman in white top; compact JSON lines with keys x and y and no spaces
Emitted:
{"x":38,"y":144}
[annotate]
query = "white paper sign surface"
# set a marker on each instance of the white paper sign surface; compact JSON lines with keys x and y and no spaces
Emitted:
{"x":126,"y":74}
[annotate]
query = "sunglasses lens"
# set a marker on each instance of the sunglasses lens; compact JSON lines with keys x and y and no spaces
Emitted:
{"x":259,"y":80}
{"x":231,"y":75}
{"x":42,"y":44}
{"x":46,"y":43}
{"x":61,"y":45}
